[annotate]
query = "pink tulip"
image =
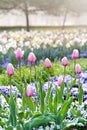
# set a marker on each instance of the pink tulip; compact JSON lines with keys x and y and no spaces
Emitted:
{"x":10,"y":70}
{"x":19,"y":54}
{"x":47,"y":63}
{"x":60,"y":80}
{"x":65,"y":61}
{"x":75,"y":54}
{"x":31,"y":57}
{"x":78,"y":69}
{"x":29,"y":91}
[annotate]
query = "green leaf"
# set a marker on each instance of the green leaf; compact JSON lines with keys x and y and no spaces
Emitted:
{"x":50,"y":101}
{"x":40,"y":120}
{"x":60,"y":93}
{"x":36,"y":114}
{"x":55,"y":101}
{"x":9,"y":128}
{"x":64,"y":109}
{"x":31,"y":104}
{"x":12,"y":111}
{"x":80,"y":94}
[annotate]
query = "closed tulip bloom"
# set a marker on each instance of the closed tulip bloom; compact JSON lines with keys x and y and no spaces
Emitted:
{"x":19,"y":54}
{"x":29,"y":91}
{"x":78,"y":69}
{"x":10,"y":70}
{"x":31,"y":57}
{"x":60,"y":80}
{"x":75,"y":54}
{"x":65,"y":61}
{"x":47,"y":63}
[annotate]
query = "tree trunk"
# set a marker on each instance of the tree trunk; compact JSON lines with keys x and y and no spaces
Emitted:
{"x":27,"y":20}
{"x":65,"y":17}
{"x":26,"y":12}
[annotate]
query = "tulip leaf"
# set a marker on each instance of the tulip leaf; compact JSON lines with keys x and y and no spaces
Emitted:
{"x":64,"y":109}
{"x":9,"y":128}
{"x":12,"y":104}
{"x":50,"y":99}
{"x":80,"y":94}
{"x":31,"y":103}
{"x":38,"y":121}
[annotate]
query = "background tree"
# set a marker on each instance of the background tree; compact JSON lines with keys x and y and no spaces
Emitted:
{"x":54,"y":7}
{"x":48,"y":7}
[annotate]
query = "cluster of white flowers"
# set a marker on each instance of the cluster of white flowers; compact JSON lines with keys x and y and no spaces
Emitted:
{"x":52,"y":127}
{"x":35,"y":39}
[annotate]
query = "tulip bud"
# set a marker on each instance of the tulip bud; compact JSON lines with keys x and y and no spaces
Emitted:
{"x":19,"y":54}
{"x":47,"y":63}
{"x":29,"y":91}
{"x":10,"y":70}
{"x":60,"y":80}
{"x":75,"y":54}
{"x":78,"y":69}
{"x":31,"y":57}
{"x":65,"y":61}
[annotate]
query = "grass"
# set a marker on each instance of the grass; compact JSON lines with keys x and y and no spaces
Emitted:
{"x":56,"y":70}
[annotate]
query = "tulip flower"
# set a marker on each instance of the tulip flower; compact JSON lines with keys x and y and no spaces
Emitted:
{"x":19,"y":54}
{"x":75,"y":54}
{"x":29,"y":91}
{"x":60,"y":80}
{"x":47,"y":63}
{"x":10,"y":70}
{"x":78,"y":69}
{"x":80,"y":89}
{"x":31,"y":57}
{"x":65,"y":61}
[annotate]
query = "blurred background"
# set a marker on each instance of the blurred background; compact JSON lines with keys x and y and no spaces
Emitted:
{"x":49,"y":28}
{"x":43,"y":14}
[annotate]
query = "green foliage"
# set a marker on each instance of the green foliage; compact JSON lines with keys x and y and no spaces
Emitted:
{"x":80,"y":94}
{"x":45,"y":109}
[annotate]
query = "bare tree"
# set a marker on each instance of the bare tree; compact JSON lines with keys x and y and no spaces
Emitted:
{"x":54,"y":7}
{"x":49,"y":7}
{"x":75,"y":7}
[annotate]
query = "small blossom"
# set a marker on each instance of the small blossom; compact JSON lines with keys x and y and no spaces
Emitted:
{"x":60,"y":80}
{"x":31,"y":57}
{"x":19,"y":54}
{"x":75,"y":54}
{"x":10,"y":70}
{"x":65,"y":61}
{"x":47,"y":63}
{"x":29,"y":91}
{"x":78,"y":69}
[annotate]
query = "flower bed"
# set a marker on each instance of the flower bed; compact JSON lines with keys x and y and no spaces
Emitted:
{"x":44,"y":44}
{"x":60,"y":103}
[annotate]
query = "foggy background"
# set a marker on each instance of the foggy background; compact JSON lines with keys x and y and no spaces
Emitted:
{"x":43,"y":13}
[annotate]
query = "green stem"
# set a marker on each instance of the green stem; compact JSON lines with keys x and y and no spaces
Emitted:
{"x":30,"y":73}
{"x":64,"y":72}
{"x":74,"y":65}
{"x":48,"y":79}
{"x":10,"y":87}
{"x":41,"y":95}
{"x":35,"y":73}
{"x":48,"y":91}
{"x":20,"y":71}
{"x":80,"y":94}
